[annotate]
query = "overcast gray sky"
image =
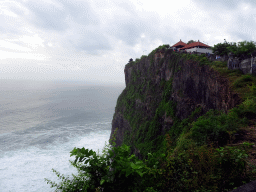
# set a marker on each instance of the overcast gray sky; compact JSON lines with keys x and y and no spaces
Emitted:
{"x":92,"y":40}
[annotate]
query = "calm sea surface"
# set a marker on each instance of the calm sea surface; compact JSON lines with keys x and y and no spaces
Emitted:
{"x":41,"y":122}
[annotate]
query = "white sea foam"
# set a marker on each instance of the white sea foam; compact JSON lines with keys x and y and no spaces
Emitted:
{"x":25,"y":169}
{"x":42,"y":122}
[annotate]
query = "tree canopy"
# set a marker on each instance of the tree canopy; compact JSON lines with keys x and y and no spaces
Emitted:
{"x":190,"y":41}
{"x":240,"y":49}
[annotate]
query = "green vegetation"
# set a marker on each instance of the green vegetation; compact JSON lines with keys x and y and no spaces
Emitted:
{"x":191,"y":41}
{"x":192,"y":155}
{"x":245,"y":48}
{"x":215,"y":126}
{"x":200,"y":59}
{"x":198,"y":169}
{"x":241,"y":81}
{"x":244,"y":85}
{"x":221,"y":48}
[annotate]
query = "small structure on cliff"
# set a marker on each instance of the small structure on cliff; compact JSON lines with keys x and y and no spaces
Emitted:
{"x":197,"y":47}
{"x":179,"y":45}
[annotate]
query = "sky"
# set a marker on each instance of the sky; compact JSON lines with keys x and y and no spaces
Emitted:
{"x":93,"y":40}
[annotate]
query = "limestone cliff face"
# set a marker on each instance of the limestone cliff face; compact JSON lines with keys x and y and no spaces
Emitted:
{"x":195,"y":85}
{"x":146,"y":81}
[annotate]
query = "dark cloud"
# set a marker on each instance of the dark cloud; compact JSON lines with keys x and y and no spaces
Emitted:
{"x":130,"y":26}
{"x":89,"y":40}
{"x":53,"y":17}
{"x":127,"y":30}
{"x":127,"y":26}
{"x":64,"y":16}
{"x":47,"y":16}
{"x":81,"y":12}
{"x":69,"y":16}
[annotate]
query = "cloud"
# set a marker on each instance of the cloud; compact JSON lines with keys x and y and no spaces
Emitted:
{"x":80,"y":12}
{"x":218,"y":4}
{"x":56,"y":15}
{"x":96,"y":38}
{"x":47,"y":15}
{"x":9,"y":21}
{"x":84,"y":26}
{"x":126,"y":30}
{"x":90,"y":42}
{"x":244,"y":29}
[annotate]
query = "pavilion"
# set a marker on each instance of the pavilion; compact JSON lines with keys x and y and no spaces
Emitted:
{"x":179,"y":45}
{"x":196,"y":47}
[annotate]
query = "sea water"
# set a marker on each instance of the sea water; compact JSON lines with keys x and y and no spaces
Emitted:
{"x":41,"y":122}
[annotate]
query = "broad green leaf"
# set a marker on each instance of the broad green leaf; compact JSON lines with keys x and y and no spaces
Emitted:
{"x":82,"y":150}
{"x":128,"y":172}
{"x":134,"y":166}
{"x":140,"y":173}
{"x":102,"y":181}
{"x":73,"y":152}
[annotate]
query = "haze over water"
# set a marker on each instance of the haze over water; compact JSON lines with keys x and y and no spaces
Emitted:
{"x":41,"y":122}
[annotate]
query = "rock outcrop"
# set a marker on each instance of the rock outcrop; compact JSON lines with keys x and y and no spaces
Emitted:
{"x":192,"y":86}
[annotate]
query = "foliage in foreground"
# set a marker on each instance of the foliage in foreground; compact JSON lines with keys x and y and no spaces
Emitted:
{"x":198,"y":169}
{"x":115,"y":170}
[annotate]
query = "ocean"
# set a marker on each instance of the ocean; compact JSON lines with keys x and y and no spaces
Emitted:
{"x":42,"y":121}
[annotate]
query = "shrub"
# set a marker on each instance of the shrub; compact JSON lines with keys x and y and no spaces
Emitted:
{"x":241,"y":81}
{"x":232,"y":167}
{"x":214,"y":126}
{"x":197,"y":169}
{"x":203,"y":61}
{"x":247,"y":109}
{"x":205,"y":169}
{"x":252,"y":89}
{"x":219,"y":64}
{"x":115,"y":170}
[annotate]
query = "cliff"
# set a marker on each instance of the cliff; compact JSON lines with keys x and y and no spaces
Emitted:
{"x":161,"y":91}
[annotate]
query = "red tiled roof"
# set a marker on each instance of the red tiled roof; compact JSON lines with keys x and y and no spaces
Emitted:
{"x":180,"y":43}
{"x":195,"y":44}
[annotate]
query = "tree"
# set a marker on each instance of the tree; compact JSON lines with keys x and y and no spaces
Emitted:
{"x":221,"y":49}
{"x":243,"y":48}
{"x":240,"y":49}
{"x":190,"y":41}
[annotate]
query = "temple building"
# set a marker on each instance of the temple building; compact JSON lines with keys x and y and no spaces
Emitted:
{"x":179,"y":45}
{"x":196,"y":47}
